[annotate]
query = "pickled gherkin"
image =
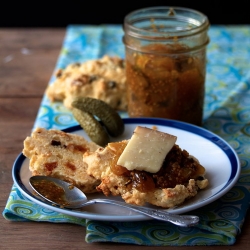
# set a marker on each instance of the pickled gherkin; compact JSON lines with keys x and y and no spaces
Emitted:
{"x":92,"y":127}
{"x":107,"y":115}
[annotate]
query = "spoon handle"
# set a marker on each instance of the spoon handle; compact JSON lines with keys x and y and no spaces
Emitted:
{"x":180,"y":220}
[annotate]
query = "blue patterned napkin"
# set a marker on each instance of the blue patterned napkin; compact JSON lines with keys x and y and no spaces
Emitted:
{"x":227,"y":114}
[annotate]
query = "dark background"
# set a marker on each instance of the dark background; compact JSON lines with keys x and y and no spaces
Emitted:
{"x":62,"y":13}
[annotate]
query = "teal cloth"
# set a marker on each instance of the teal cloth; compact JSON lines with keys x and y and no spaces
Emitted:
{"x":226,"y":113}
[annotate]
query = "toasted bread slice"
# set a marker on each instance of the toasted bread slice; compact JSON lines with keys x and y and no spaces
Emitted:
{"x":59,"y":154}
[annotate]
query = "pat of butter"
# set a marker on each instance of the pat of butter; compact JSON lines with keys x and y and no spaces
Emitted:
{"x":146,"y":150}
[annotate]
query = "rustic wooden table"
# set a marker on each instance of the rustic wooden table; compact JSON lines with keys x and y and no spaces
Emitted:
{"x":27,"y":60}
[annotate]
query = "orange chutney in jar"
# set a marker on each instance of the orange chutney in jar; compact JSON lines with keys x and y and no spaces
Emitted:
{"x":165,"y":73}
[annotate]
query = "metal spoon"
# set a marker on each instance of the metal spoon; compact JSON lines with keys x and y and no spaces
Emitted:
{"x":73,"y":198}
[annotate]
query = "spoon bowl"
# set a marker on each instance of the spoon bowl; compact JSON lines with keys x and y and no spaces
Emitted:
{"x":64,"y":194}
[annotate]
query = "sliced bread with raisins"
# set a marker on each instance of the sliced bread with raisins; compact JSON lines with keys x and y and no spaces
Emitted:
{"x":59,"y":154}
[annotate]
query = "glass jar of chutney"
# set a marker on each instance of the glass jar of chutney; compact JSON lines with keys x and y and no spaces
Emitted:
{"x":165,"y":58}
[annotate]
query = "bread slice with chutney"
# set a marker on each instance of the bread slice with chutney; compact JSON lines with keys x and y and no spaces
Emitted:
{"x":148,"y":168}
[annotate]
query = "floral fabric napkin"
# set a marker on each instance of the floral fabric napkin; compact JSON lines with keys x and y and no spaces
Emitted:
{"x":227,"y":114}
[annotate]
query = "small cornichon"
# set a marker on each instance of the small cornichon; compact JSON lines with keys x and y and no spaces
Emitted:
{"x":107,"y":115}
{"x":92,"y":127}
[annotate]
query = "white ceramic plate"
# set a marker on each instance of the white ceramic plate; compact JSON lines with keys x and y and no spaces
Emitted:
{"x":216,"y":155}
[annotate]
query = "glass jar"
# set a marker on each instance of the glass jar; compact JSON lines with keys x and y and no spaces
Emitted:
{"x":166,"y":62}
